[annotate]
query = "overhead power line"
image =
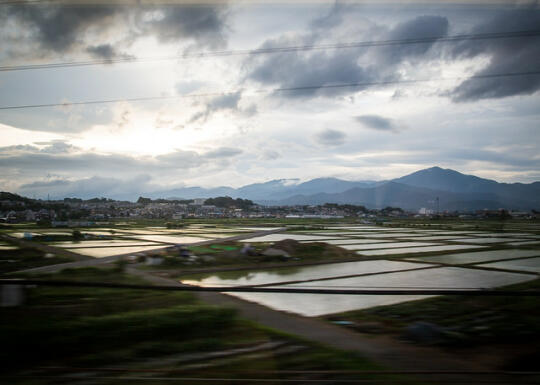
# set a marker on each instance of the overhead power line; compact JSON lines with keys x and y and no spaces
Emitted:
{"x":294,"y":371}
{"x":288,"y":290}
{"x":275,"y":90}
{"x":24,"y":2}
{"x":269,"y":50}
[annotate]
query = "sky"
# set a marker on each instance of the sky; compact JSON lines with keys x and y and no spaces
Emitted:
{"x":241,"y":118}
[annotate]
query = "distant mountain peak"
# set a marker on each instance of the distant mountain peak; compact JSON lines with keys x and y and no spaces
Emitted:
{"x":436,"y":169}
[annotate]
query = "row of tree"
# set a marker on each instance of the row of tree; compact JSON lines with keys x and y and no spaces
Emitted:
{"x":145,"y":201}
{"x":228,"y":202}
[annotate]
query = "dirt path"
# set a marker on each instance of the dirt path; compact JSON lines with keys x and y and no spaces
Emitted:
{"x":389,"y":352}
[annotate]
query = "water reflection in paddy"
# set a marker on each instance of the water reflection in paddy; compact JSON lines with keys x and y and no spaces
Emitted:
{"x":102,"y":243}
{"x":432,"y":237}
{"x":412,"y":250}
{"x":319,"y":304}
{"x":339,"y":233}
{"x":485,"y":234}
{"x":394,"y":235}
{"x":529,"y":264}
{"x":280,"y":237}
{"x":488,"y":240}
{"x":348,"y":241}
{"x":299,"y":273}
{"x":100,"y":252}
{"x":373,"y":246}
{"x":523,"y":243}
{"x":171,"y":238}
{"x":479,"y":256}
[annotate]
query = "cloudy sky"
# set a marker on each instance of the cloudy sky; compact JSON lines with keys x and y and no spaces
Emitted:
{"x":234,"y":119}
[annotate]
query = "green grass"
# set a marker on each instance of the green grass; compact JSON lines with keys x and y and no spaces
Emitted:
{"x":106,"y":332}
{"x":225,"y":247}
{"x":89,"y":327}
{"x":75,"y":322}
{"x":228,"y":256}
{"x":26,"y":258}
{"x":213,"y":249}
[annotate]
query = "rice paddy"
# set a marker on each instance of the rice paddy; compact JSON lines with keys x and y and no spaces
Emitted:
{"x":399,"y":257}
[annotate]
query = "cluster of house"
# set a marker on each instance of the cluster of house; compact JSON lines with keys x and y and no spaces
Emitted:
{"x":67,"y":211}
{"x":183,"y":254}
{"x":76,"y":210}
{"x":27,"y":215}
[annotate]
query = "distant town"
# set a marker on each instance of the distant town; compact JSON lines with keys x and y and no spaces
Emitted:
{"x":74,"y":212}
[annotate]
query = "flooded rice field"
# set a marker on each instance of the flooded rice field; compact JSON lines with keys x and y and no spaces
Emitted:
{"x":100,"y":252}
{"x":488,"y":240}
{"x":384,"y":247}
{"x":170,"y":239}
{"x":478,"y":256}
{"x":320,"y":304}
{"x":374,"y":246}
{"x":414,"y":250}
{"x":529,"y":264}
{"x":296,"y":237}
{"x":102,"y":243}
{"x":300,"y":273}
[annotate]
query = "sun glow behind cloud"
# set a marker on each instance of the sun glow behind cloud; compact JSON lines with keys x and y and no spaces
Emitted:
{"x":237,"y":134}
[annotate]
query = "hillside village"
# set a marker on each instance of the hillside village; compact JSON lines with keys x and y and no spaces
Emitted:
{"x":78,"y":212}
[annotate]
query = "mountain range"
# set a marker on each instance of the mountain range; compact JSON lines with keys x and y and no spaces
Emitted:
{"x":454,"y":190}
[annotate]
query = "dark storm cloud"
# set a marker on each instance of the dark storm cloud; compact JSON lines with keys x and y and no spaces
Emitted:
{"x":100,"y":29}
{"x":377,"y":122}
{"x":332,"y":19}
{"x":381,"y":64}
{"x":331,"y":137}
{"x":222,"y":102}
{"x":205,"y":24}
{"x":297,"y":71}
{"x":102,"y":51}
{"x":58,"y":28}
{"x":227,"y":102}
{"x":419,"y":27}
{"x":509,"y":55}
{"x":301,"y":69}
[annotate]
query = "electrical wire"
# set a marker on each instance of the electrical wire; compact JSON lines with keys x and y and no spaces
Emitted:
{"x":275,"y":90}
{"x":288,"y":290}
{"x":270,"y":50}
{"x":25,"y":2}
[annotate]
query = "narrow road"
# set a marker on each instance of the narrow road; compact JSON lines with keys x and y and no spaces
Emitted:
{"x":389,"y":352}
{"x":385,"y":350}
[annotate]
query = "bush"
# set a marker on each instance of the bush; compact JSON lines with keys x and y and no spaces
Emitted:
{"x":25,"y":341}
